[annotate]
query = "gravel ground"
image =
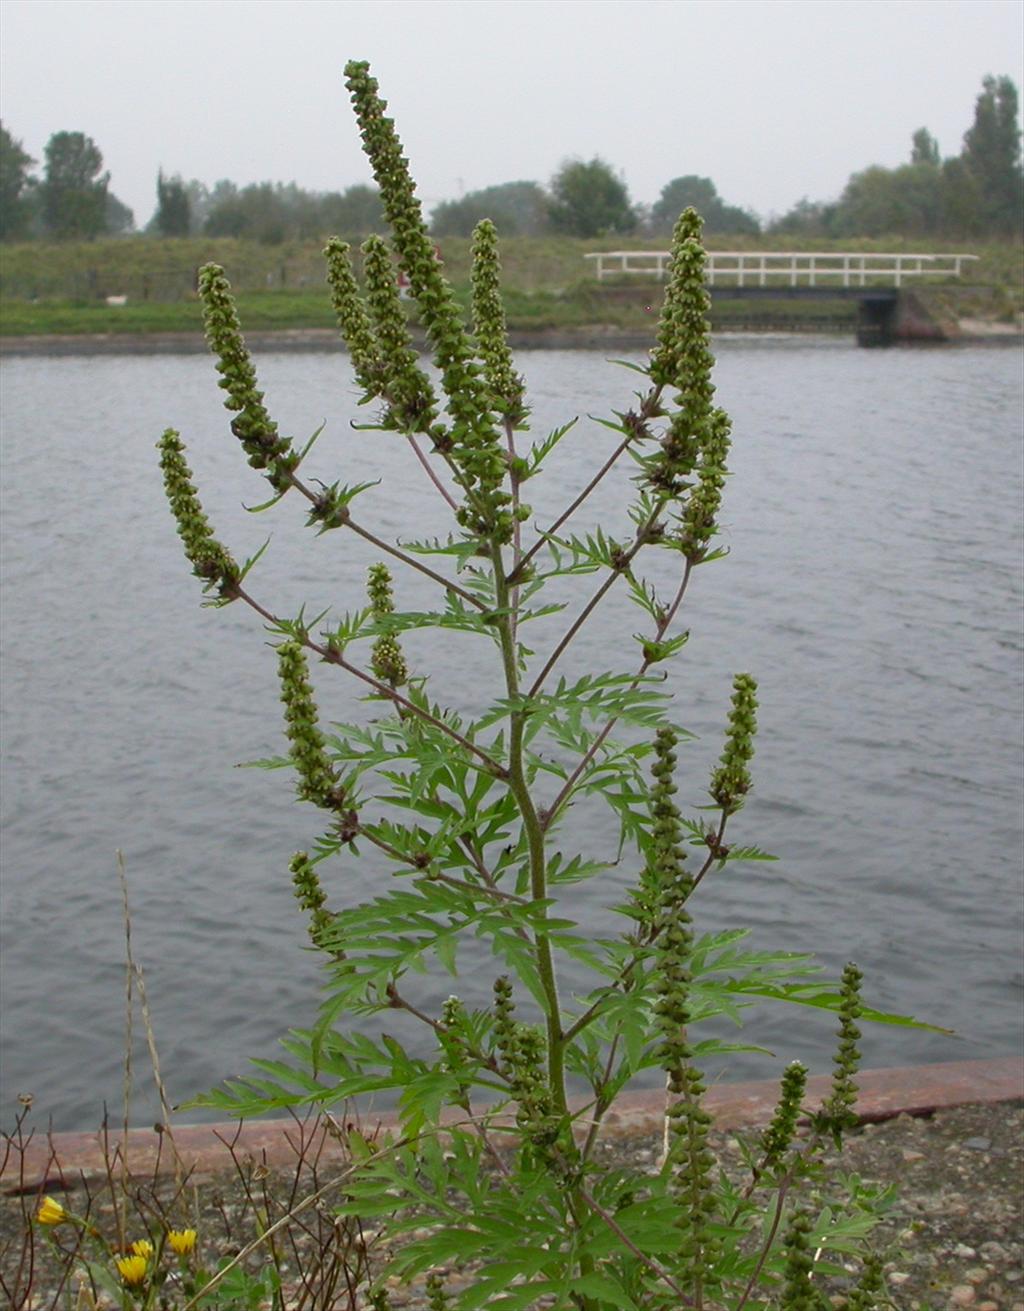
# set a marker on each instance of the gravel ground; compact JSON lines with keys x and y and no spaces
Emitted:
{"x":954,"y":1236}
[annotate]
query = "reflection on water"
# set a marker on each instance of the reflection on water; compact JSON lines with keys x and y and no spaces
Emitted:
{"x":873,"y":587}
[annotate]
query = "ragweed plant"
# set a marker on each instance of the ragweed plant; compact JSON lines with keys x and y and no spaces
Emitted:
{"x":465,"y":807}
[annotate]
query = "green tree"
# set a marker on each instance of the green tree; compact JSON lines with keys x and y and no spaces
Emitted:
{"x":74,"y":191}
{"x":173,"y":211}
{"x":257,"y":211}
{"x":118,"y":218}
{"x":702,"y":195}
{"x":877,"y":202}
{"x":517,"y":209}
{"x":925,"y":149}
{"x":355,"y":212}
{"x":16,"y":188}
{"x":589,"y":200}
{"x":991,"y":155}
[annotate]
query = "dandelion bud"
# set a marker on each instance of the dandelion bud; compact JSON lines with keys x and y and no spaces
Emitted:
{"x":317,"y":780}
{"x":132,"y":1269}
{"x":51,"y":1212}
{"x":181,"y":1241}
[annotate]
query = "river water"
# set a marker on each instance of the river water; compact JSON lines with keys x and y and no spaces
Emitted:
{"x":873,"y":587}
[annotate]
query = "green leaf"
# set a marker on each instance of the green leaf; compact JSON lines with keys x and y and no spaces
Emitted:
{"x":539,"y":451}
{"x":611,"y":1291}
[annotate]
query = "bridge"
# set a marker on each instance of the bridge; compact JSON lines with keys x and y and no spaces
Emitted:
{"x":806,"y":268}
{"x":876,"y":281}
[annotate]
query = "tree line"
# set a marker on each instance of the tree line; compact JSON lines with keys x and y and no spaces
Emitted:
{"x":976,"y":193}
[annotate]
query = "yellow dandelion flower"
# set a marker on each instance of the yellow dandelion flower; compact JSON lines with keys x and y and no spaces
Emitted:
{"x":143,"y":1247}
{"x":182,"y":1241}
{"x":132,"y":1269}
{"x":51,"y":1212}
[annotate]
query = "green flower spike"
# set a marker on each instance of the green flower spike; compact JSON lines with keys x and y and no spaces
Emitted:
{"x":706,"y":498}
{"x":412,"y":403}
{"x":838,"y":1113}
{"x":688,"y":1153}
{"x":310,"y":896}
{"x":317,"y":781}
{"x":683,"y":358}
{"x":489,"y":324}
{"x":437,"y":1298}
{"x":869,"y":1294}
{"x":353,"y":319}
{"x":475,"y":445}
{"x":386,"y":660}
{"x":254,"y":427}
{"x":799,"y":1293}
{"x":522,"y":1053}
{"x":731,"y":780}
{"x":777,"y":1138}
{"x":208,"y":558}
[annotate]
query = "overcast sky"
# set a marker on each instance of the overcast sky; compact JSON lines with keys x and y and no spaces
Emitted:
{"x":772,"y":99}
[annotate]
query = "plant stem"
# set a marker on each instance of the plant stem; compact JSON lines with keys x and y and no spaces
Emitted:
{"x":621,"y":568}
{"x":595,"y":746}
{"x":334,"y":657}
{"x":535,"y":843}
{"x":410,"y":437}
{"x":571,"y":508}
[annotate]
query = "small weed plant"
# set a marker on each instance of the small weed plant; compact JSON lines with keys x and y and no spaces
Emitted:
{"x":494,"y":1173}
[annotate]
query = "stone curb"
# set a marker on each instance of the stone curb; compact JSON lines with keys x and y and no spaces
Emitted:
{"x":913,"y":1090}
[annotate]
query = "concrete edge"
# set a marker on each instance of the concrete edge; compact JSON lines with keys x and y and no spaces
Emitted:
{"x":56,"y":1161}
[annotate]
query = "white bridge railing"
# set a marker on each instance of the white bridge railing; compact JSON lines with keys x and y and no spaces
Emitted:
{"x":752,"y":268}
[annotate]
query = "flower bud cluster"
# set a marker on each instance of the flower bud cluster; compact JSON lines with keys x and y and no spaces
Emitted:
{"x":475,"y":444}
{"x":870,"y":1290}
{"x":489,"y":324}
{"x":411,"y":400}
{"x":254,"y":427}
{"x":353,"y":319}
{"x":317,"y":780}
{"x":706,"y":497}
{"x":688,"y":1122}
{"x":730,"y":782}
{"x":799,"y":1293}
{"x":777,"y":1138}
{"x":683,"y":359}
{"x":310,"y":895}
{"x":437,"y":1298}
{"x":208,"y":558}
{"x":386,"y":659}
{"x":451,"y":1038}
{"x":522,"y":1053}
{"x":838,"y":1112}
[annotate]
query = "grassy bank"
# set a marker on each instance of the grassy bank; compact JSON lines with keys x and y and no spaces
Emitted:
{"x":62,"y":289}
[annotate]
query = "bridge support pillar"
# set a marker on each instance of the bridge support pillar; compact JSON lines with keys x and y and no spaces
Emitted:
{"x":905,"y":317}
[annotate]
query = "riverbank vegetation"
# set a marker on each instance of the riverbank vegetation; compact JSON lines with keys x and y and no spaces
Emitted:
{"x":548,"y":282}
